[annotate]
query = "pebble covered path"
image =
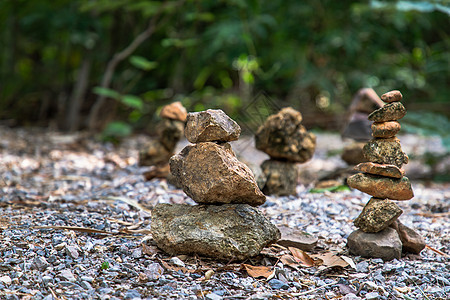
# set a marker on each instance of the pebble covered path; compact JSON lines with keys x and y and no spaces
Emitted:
{"x":75,"y":220}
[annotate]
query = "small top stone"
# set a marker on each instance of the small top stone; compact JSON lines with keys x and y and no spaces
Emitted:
{"x":174,"y":111}
{"x":211,"y":126}
{"x":392,"y":96}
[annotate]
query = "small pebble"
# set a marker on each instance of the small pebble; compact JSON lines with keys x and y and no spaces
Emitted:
{"x":278,"y":284}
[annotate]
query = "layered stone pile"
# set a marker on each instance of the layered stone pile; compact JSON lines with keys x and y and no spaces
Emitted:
{"x":226,"y":224}
{"x":287,"y":142}
{"x":169,"y":130}
{"x":380,"y":234}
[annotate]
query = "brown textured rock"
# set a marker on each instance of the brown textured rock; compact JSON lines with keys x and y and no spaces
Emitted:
{"x":385,"y":244}
{"x":281,"y":177}
{"x":392,"y":96}
{"x":353,"y":153}
{"x":211,"y":126}
{"x":170,"y":132}
{"x":390,"y":112}
{"x":385,"y":129}
{"x":382,"y":187}
{"x":174,"y":111}
{"x":211,"y":174}
{"x":154,"y":154}
{"x":382,"y":170}
{"x":222,"y":232}
{"x":377,"y":215}
{"x":282,"y":137}
{"x":411,"y":240}
{"x":385,"y":151}
{"x":291,"y":237}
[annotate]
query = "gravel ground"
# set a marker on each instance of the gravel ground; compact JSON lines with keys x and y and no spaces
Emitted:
{"x":75,"y":220}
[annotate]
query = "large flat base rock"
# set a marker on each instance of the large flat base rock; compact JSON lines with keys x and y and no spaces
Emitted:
{"x":222,"y":232}
{"x":385,"y":244}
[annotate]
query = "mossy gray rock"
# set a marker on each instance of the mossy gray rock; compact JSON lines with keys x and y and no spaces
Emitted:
{"x":377,"y":215}
{"x":282,"y":137}
{"x":390,"y":112}
{"x":281,"y":177}
{"x":230,"y":231}
{"x":385,"y":151}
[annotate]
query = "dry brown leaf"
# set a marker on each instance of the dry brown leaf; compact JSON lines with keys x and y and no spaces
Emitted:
{"x":329,"y":259}
{"x":301,"y":257}
{"x":258,"y":271}
{"x":290,"y":261}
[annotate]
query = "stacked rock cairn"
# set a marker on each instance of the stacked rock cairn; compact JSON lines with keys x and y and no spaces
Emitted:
{"x":169,"y":130}
{"x":287,"y":142}
{"x":225,"y":225}
{"x":380,"y":234}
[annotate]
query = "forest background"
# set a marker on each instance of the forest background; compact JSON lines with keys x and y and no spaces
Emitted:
{"x":110,"y":65}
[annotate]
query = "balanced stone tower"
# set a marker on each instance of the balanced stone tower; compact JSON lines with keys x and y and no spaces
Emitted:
{"x":380,"y":234}
{"x":287,"y":142}
{"x":226,"y":225}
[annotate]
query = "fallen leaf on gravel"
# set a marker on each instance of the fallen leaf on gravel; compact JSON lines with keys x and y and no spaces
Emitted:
{"x":290,"y":261}
{"x":349,"y":261}
{"x":403,"y":290}
{"x":75,"y":228}
{"x":258,"y":271}
{"x":302,"y":257}
{"x":330,"y":259}
{"x":130,"y":202}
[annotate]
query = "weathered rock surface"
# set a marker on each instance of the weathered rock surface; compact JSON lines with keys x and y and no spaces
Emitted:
{"x":411,"y":240}
{"x":353,"y":153}
{"x":211,"y":174}
{"x":385,"y":151}
{"x":291,"y":237}
{"x":382,"y":170}
{"x":222,"y":232}
{"x":170,"y":132}
{"x":155,"y":153}
{"x":174,"y":111}
{"x":385,"y":129}
{"x":377,"y":215}
{"x":382,"y":187}
{"x":281,"y":177}
{"x":385,"y":244}
{"x":390,"y":112}
{"x":392,"y":96}
{"x":283,"y":137}
{"x":211,"y":126}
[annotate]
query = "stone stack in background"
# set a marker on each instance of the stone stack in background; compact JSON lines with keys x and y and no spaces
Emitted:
{"x":287,"y":142}
{"x":170,"y":130}
{"x":380,"y":234}
{"x":224,"y":225}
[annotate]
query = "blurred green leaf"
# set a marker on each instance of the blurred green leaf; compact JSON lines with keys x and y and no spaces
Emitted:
{"x":132,"y":101}
{"x":106,"y":92}
{"x":334,"y":189}
{"x":143,"y":63}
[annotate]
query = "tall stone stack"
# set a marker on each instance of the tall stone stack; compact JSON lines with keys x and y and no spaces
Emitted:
{"x":226,"y":224}
{"x":287,"y":142}
{"x":380,"y":234}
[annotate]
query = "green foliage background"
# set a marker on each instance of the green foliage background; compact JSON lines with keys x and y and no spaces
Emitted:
{"x":312,"y":54}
